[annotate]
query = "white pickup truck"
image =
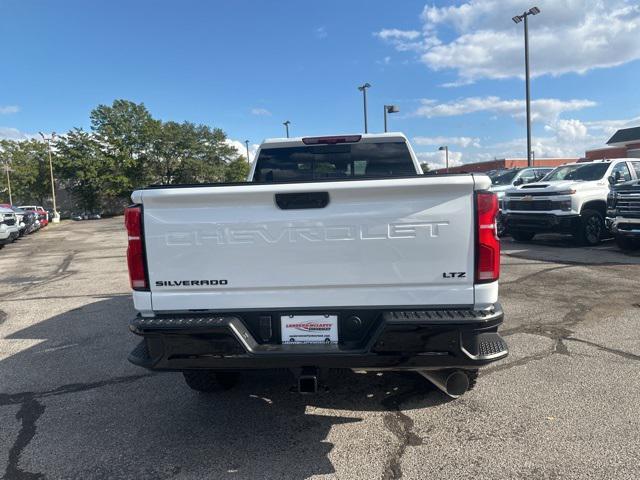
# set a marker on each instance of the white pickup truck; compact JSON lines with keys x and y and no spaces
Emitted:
{"x":572,"y":199}
{"x":338,"y":253}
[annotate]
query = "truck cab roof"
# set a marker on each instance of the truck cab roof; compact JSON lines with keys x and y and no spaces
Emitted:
{"x":333,"y":139}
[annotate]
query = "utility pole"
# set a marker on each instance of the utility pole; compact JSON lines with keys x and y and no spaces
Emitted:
{"x":518,"y":19}
{"x":56,"y":215}
{"x":6,"y":166}
{"x":363,"y":89}
{"x":286,"y":126}
{"x":246,"y":142}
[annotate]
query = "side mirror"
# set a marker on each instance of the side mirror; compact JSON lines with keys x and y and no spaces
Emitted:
{"x":518,"y":181}
{"x":612,"y":181}
{"x":616,"y":177}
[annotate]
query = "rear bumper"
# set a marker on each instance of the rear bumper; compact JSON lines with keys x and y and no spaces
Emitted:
{"x":541,"y":222}
{"x":398,"y":340}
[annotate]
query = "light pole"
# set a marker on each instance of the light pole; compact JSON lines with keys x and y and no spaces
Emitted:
{"x":56,"y":215}
{"x":389,"y":109}
{"x":246,"y":143}
{"x":446,"y":156}
{"x":518,"y":19}
{"x":363,"y":89}
{"x":286,"y":126}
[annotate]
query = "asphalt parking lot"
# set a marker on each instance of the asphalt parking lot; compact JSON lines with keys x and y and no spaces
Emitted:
{"x":564,"y":404}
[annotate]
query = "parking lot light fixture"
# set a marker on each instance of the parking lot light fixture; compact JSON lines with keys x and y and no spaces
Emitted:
{"x":246,"y":143}
{"x":56,"y":215}
{"x":286,"y":126}
{"x":389,"y":109}
{"x":363,"y":89}
{"x":445,"y":148}
{"x":517,"y":19}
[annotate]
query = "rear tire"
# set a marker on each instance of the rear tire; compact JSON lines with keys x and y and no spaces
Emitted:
{"x":522,"y":236}
{"x":626,"y":243}
{"x":590,"y":229}
{"x":209,"y":381}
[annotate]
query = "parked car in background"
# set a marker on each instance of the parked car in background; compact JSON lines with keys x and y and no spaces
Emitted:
{"x":623,"y":212}
{"x":9,"y":229}
{"x":571,"y":199}
{"x":43,"y":216}
{"x":31,"y":221}
{"x":19,"y":217}
{"x":502,"y":180}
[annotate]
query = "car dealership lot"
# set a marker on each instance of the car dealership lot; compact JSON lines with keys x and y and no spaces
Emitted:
{"x":564,"y":403}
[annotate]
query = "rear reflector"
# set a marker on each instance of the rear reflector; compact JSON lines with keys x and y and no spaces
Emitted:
{"x":488,"y":243}
{"x":135,"y":250}
{"x":331,"y":140}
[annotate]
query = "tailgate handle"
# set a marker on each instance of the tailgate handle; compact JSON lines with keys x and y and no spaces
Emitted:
{"x":299,"y":201}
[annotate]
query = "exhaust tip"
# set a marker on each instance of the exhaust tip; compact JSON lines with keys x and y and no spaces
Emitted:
{"x":457,"y":383}
{"x":454,"y":383}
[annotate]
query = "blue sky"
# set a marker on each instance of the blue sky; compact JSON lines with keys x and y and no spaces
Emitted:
{"x":453,"y":68}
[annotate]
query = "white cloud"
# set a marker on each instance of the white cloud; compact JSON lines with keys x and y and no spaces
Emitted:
{"x":394,"y":33}
{"x":9,"y":109}
{"x":241,"y":147}
{"x":437,"y":159}
{"x":565,"y":138}
{"x":260,"y":111}
{"x":321,"y":32}
{"x":463,"y":142}
{"x":543,"y":109}
{"x":609,"y":127}
{"x":402,"y":40}
{"x":568,"y":36}
{"x":10,"y":133}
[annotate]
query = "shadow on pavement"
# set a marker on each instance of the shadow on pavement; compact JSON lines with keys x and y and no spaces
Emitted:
{"x":83,"y":412}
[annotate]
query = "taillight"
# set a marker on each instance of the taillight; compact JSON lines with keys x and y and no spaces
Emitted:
{"x":135,"y":250}
{"x":487,"y":244}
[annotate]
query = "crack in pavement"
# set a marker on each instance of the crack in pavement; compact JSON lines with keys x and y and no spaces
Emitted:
{"x":614,"y":351}
{"x":31,"y":410}
{"x":535,"y":274}
{"x":559,"y":333}
{"x":401,"y":426}
{"x":18,"y":398}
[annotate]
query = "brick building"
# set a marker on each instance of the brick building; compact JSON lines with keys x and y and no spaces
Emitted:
{"x":625,"y":143}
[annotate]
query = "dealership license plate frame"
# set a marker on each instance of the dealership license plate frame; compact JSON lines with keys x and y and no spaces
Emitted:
{"x":309,"y":329}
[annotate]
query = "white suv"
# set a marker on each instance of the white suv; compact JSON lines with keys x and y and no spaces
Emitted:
{"x":9,"y":229}
{"x":571,"y":199}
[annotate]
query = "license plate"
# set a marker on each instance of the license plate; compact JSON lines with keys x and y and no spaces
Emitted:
{"x":306,"y":329}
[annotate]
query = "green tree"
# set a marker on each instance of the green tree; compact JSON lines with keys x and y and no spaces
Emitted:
{"x":236,"y":170}
{"x":88,"y":173}
{"x":187,"y":153}
{"x":126,"y":132}
{"x":29,"y":163}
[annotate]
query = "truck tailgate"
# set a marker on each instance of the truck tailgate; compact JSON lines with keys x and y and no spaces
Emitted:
{"x":396,"y":242}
